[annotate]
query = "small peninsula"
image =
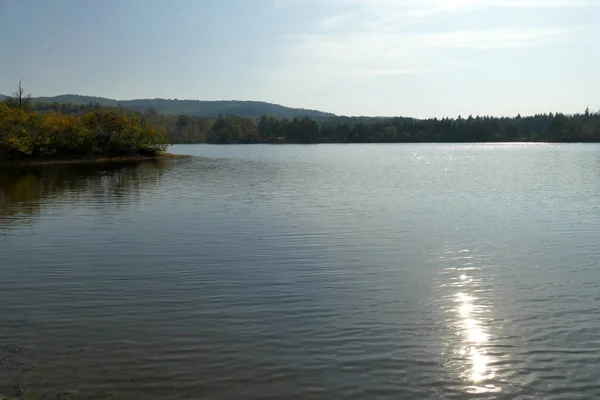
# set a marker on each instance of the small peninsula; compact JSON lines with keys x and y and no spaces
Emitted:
{"x":28,"y":137}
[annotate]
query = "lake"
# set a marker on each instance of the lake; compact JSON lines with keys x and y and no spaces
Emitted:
{"x":441,"y":271}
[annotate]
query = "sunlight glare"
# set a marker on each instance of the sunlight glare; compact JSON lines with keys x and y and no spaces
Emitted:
{"x":480,"y":366}
{"x":465,"y":310}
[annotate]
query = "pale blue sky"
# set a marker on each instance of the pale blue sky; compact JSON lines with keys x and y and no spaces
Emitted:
{"x":417,"y":58}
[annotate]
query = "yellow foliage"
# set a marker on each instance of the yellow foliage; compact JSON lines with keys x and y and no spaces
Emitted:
{"x":26,"y":133}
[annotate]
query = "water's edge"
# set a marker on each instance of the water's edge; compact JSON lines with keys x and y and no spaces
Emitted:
{"x":88,"y":160}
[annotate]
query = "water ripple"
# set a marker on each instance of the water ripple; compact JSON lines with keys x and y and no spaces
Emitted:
{"x":313,"y":272}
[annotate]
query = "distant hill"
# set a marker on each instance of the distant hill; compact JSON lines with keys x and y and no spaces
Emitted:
{"x":195,"y":108}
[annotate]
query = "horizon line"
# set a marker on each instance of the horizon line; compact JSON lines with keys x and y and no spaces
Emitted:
{"x":588,"y":108}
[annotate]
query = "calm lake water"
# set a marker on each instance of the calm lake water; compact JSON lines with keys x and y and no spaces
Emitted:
{"x":305,"y":272}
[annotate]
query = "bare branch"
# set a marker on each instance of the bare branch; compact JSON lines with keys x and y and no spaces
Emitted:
{"x":18,"y":98}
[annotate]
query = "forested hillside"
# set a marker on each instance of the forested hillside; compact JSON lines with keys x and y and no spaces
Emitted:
{"x":195,"y":108}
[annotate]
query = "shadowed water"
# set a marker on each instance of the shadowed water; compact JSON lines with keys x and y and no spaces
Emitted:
{"x":309,"y":272}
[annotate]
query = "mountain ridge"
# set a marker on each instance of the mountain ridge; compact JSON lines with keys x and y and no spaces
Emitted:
{"x":193,"y":108}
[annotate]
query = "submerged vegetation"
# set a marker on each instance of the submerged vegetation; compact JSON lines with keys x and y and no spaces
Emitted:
{"x":25,"y":133}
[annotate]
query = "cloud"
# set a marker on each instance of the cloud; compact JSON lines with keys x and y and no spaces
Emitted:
{"x":384,"y":46}
{"x":386,"y":54}
{"x":547,"y":3}
{"x":387,"y":72}
{"x":375,"y":38}
{"x":424,"y":57}
{"x":335,"y":21}
{"x":499,"y":38}
{"x":394,"y":13}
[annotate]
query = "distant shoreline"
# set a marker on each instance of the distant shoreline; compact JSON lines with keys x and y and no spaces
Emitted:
{"x":103,"y":159}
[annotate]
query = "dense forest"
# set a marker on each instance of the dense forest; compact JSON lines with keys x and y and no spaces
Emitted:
{"x":584,"y":127}
{"x":27,"y":133}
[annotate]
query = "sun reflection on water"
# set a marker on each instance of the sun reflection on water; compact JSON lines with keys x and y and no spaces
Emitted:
{"x":475,"y":335}
{"x":477,"y":368}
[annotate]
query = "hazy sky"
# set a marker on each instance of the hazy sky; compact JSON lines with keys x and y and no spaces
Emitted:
{"x":370,"y":57}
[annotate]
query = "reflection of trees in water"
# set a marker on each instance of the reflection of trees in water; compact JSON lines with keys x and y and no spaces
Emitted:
{"x":23,"y":195}
{"x":22,"y":192}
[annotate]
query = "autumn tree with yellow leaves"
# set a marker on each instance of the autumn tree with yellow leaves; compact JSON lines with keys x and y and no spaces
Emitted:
{"x":24,"y":133}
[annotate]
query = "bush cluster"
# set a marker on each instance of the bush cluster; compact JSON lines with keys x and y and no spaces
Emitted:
{"x":25,"y":133}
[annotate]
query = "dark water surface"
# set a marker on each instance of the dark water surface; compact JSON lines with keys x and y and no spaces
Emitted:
{"x":308,"y":272}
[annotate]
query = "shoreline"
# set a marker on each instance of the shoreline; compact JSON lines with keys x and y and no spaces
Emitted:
{"x":87,"y":160}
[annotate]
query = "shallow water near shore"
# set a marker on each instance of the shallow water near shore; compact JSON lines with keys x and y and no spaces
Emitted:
{"x":52,"y":160}
{"x":442,"y":271}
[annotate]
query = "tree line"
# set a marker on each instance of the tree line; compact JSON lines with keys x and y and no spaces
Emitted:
{"x":25,"y":132}
{"x":582,"y":127}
